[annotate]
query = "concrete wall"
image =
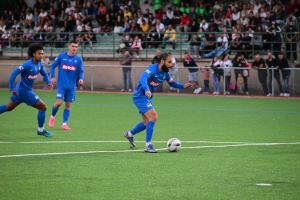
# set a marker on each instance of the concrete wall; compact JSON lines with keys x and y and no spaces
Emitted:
{"x":111,"y":78}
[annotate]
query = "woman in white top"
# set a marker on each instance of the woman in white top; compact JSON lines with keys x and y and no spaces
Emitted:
{"x":28,"y":19}
{"x":235,"y":16}
{"x":2,"y":26}
{"x":227,"y":64}
{"x":215,"y":64}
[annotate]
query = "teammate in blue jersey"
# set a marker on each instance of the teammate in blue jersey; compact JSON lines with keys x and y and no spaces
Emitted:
{"x":22,"y":93}
{"x":143,"y":94}
{"x":70,"y":67}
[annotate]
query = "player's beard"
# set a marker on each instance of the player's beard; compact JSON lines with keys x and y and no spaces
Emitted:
{"x":164,"y":68}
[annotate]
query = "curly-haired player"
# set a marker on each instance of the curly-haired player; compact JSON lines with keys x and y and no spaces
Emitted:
{"x":22,"y":92}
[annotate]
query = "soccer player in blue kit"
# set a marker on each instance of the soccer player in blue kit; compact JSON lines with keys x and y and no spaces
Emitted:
{"x":22,"y":93}
{"x":70,"y":67}
{"x":143,"y":94}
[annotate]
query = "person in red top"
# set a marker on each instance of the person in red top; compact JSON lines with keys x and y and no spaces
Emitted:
{"x":228,"y":17}
{"x":184,"y":25}
{"x":293,"y":4}
{"x":159,"y":13}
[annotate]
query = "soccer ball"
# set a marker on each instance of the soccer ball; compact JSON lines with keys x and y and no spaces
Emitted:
{"x":173,"y":145}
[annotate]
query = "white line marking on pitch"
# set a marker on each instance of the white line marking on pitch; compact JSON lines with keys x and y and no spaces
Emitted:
{"x":139,"y":150}
{"x":6,"y":142}
{"x":264,"y":184}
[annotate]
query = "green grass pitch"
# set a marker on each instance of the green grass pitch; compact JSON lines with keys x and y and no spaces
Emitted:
{"x":229,"y":145}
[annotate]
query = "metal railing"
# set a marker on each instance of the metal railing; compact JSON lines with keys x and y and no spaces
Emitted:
{"x":98,"y":77}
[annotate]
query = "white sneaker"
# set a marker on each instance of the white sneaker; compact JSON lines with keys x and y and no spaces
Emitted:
{"x":268,"y":95}
{"x":217,"y":92}
{"x":137,"y":56}
{"x":286,"y":94}
{"x":247,"y":92}
{"x":198,"y":90}
{"x":195,"y":91}
{"x":281,"y":94}
{"x":129,"y":90}
{"x":214,"y":93}
{"x":122,"y":90}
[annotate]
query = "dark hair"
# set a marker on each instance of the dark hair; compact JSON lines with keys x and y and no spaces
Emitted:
{"x":73,"y":42}
{"x":164,"y":56}
{"x":223,"y":57}
{"x":34,"y":48}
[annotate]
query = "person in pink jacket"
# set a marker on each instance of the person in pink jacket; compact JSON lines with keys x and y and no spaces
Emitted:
{"x":136,"y":46}
{"x":205,"y":79}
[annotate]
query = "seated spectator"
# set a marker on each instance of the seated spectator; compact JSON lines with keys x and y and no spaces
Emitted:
{"x":108,"y":21}
{"x":40,"y":35}
{"x":2,"y":26}
{"x":122,"y":48}
{"x":204,"y":25}
{"x":160,"y":27}
{"x":5,"y":37}
{"x":169,"y":37}
{"x":144,"y":26}
{"x":139,"y":21}
{"x":89,"y":37}
{"x":236,"y":44}
{"x":177,"y":15}
{"x":69,"y":9}
{"x":235,"y":16}
{"x":194,"y":46}
{"x":63,"y":19}
{"x":62,"y":5}
{"x":16,"y":37}
{"x":280,"y":15}
{"x":170,"y":14}
{"x":22,"y":18}
{"x":290,"y":18}
{"x":136,"y":46}
{"x":153,"y":37}
{"x":127,"y":28}
{"x":246,"y":44}
{"x":201,"y":11}
{"x":28,"y":19}
{"x":144,"y":40}
{"x":42,"y":16}
{"x":62,"y":38}
{"x":16,"y":24}
{"x":159,"y":13}
{"x":52,"y":13}
{"x":27,"y":37}
{"x":151,"y":19}
{"x":222,"y":43}
{"x":113,"y":11}
{"x":194,"y":28}
{"x":202,"y":47}
{"x":134,"y":25}
{"x":211,"y":42}
{"x":118,"y":28}
{"x":70,"y":24}
{"x":50,"y":36}
{"x":228,"y":17}
{"x":185,"y":23}
{"x":86,"y":21}
{"x":193,"y":14}
{"x":127,"y":13}
{"x":219,"y":15}
{"x":165,"y":20}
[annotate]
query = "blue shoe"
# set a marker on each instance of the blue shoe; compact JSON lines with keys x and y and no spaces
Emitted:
{"x":130,"y":139}
{"x":150,"y":149}
{"x":45,"y":133}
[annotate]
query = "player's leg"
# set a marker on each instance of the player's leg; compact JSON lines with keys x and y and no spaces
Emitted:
{"x":151,"y":116}
{"x":69,"y":98}
{"x":9,"y":106}
{"x":60,"y":93}
{"x":41,"y":106}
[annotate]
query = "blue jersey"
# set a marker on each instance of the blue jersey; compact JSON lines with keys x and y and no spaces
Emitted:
{"x":70,"y":67}
{"x":150,"y":79}
{"x":29,"y":72}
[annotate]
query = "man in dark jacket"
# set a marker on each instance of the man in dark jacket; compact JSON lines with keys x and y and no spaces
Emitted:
{"x":126,"y":62}
{"x":283,"y":64}
{"x":260,"y":65}
{"x":193,"y":71}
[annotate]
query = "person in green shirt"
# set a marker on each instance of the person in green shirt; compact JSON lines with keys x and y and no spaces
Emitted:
{"x":187,"y":8}
{"x":182,"y":7}
{"x":201,"y":10}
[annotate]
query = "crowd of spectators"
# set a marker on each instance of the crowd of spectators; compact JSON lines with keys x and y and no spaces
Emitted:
{"x":244,"y":26}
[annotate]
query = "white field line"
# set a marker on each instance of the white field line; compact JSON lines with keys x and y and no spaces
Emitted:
{"x":6,"y":142}
{"x":139,"y":150}
{"x":121,"y":141}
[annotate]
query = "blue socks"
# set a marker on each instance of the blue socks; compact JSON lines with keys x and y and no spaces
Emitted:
{"x":138,"y":128}
{"x":66,"y":115}
{"x":54,"y":111}
{"x":149,"y":131}
{"x":2,"y":109}
{"x":41,"y":118}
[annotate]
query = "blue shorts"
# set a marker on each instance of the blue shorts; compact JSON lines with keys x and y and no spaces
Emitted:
{"x":65,"y":94}
{"x":143,"y":104}
{"x":30,"y":98}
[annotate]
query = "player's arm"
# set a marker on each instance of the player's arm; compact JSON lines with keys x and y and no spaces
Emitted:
{"x":81,"y":73}
{"x":52,"y":69}
{"x":144,"y":77}
{"x":46,"y":77}
{"x":175,"y":84}
{"x":13,"y":77}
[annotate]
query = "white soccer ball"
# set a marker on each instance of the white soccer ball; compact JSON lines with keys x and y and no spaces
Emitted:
{"x":173,"y":145}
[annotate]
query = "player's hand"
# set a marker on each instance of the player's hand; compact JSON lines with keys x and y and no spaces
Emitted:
{"x":53,"y":80}
{"x":14,"y":92}
{"x":80,"y":82}
{"x":188,"y":85}
{"x":50,"y":86}
{"x":148,"y":94}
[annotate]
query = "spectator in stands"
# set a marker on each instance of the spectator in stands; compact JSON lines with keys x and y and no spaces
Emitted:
{"x":291,"y":41}
{"x":70,"y":24}
{"x":165,"y":20}
{"x":42,"y":16}
{"x":126,"y":61}
{"x":275,"y":38}
{"x":63,"y":19}
{"x":228,"y":17}
{"x":121,"y":49}
{"x":40,"y":35}
{"x":246,"y":44}
{"x":215,"y":64}
{"x":136,"y":46}
{"x":189,"y":62}
{"x":37,"y":4}
{"x":160,"y":27}
{"x":108,"y":21}
{"x":202,"y":47}
{"x":236,"y":44}
{"x":62,"y":38}
{"x":151,"y":19}
{"x":169,"y":37}
{"x":194,"y":28}
{"x":219,"y":15}
{"x":45,"y":5}
{"x":235,"y":16}
{"x":290,"y":18}
{"x":2,"y":26}
{"x":260,"y":65}
{"x":170,"y":14}
{"x":185,"y":23}
{"x":283,"y":65}
{"x":227,"y":64}
{"x":153,"y":37}
{"x":127,"y":13}
{"x":16,"y":37}
{"x":50,"y":36}
{"x":280,"y":15}
{"x":6,"y":36}
{"x":16,"y":24}
{"x":193,"y":14}
{"x":222,"y":43}
{"x":69,"y":9}
{"x":194,"y":46}
{"x":256,"y":44}
{"x":177,"y":16}
{"x":28,"y":19}
{"x":62,"y":5}
{"x":271,"y":64}
{"x":27,"y":37}
{"x":144,"y":26}
{"x":204,"y":25}
{"x":139,"y":21}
